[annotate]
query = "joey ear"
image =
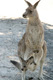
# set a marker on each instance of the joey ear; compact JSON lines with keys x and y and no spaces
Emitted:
{"x":29,"y":4}
{"x":30,"y":60}
{"x":15,"y":63}
{"x":35,"y":5}
{"x":22,"y":60}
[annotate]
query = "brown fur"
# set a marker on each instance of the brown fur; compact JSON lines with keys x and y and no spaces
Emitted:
{"x":33,"y":39}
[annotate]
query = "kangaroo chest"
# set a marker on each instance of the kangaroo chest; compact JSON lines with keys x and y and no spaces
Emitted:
{"x":32,"y":32}
{"x":34,"y":36}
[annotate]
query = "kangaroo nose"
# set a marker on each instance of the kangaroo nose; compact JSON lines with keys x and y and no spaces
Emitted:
{"x":24,"y":15}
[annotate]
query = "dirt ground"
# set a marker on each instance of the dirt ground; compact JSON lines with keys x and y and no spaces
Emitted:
{"x":11,"y":32}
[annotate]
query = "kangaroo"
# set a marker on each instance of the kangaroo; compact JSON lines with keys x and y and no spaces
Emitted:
{"x":32,"y":43}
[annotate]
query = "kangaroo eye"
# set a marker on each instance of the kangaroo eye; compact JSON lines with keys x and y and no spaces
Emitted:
{"x":30,"y":11}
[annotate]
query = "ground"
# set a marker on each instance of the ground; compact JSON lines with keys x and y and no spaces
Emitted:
{"x":11,"y":32}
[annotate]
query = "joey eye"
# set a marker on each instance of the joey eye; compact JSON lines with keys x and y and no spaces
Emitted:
{"x":24,"y":66}
{"x":31,"y":63}
{"x":35,"y":63}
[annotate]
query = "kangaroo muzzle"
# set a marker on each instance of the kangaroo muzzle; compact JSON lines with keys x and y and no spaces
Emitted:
{"x":25,"y":14}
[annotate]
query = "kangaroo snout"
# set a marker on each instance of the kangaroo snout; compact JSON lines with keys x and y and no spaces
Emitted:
{"x":24,"y":15}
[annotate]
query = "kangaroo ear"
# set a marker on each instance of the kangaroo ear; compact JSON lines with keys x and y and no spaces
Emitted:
{"x":29,"y":4}
{"x":35,"y":5}
{"x":15,"y":63}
